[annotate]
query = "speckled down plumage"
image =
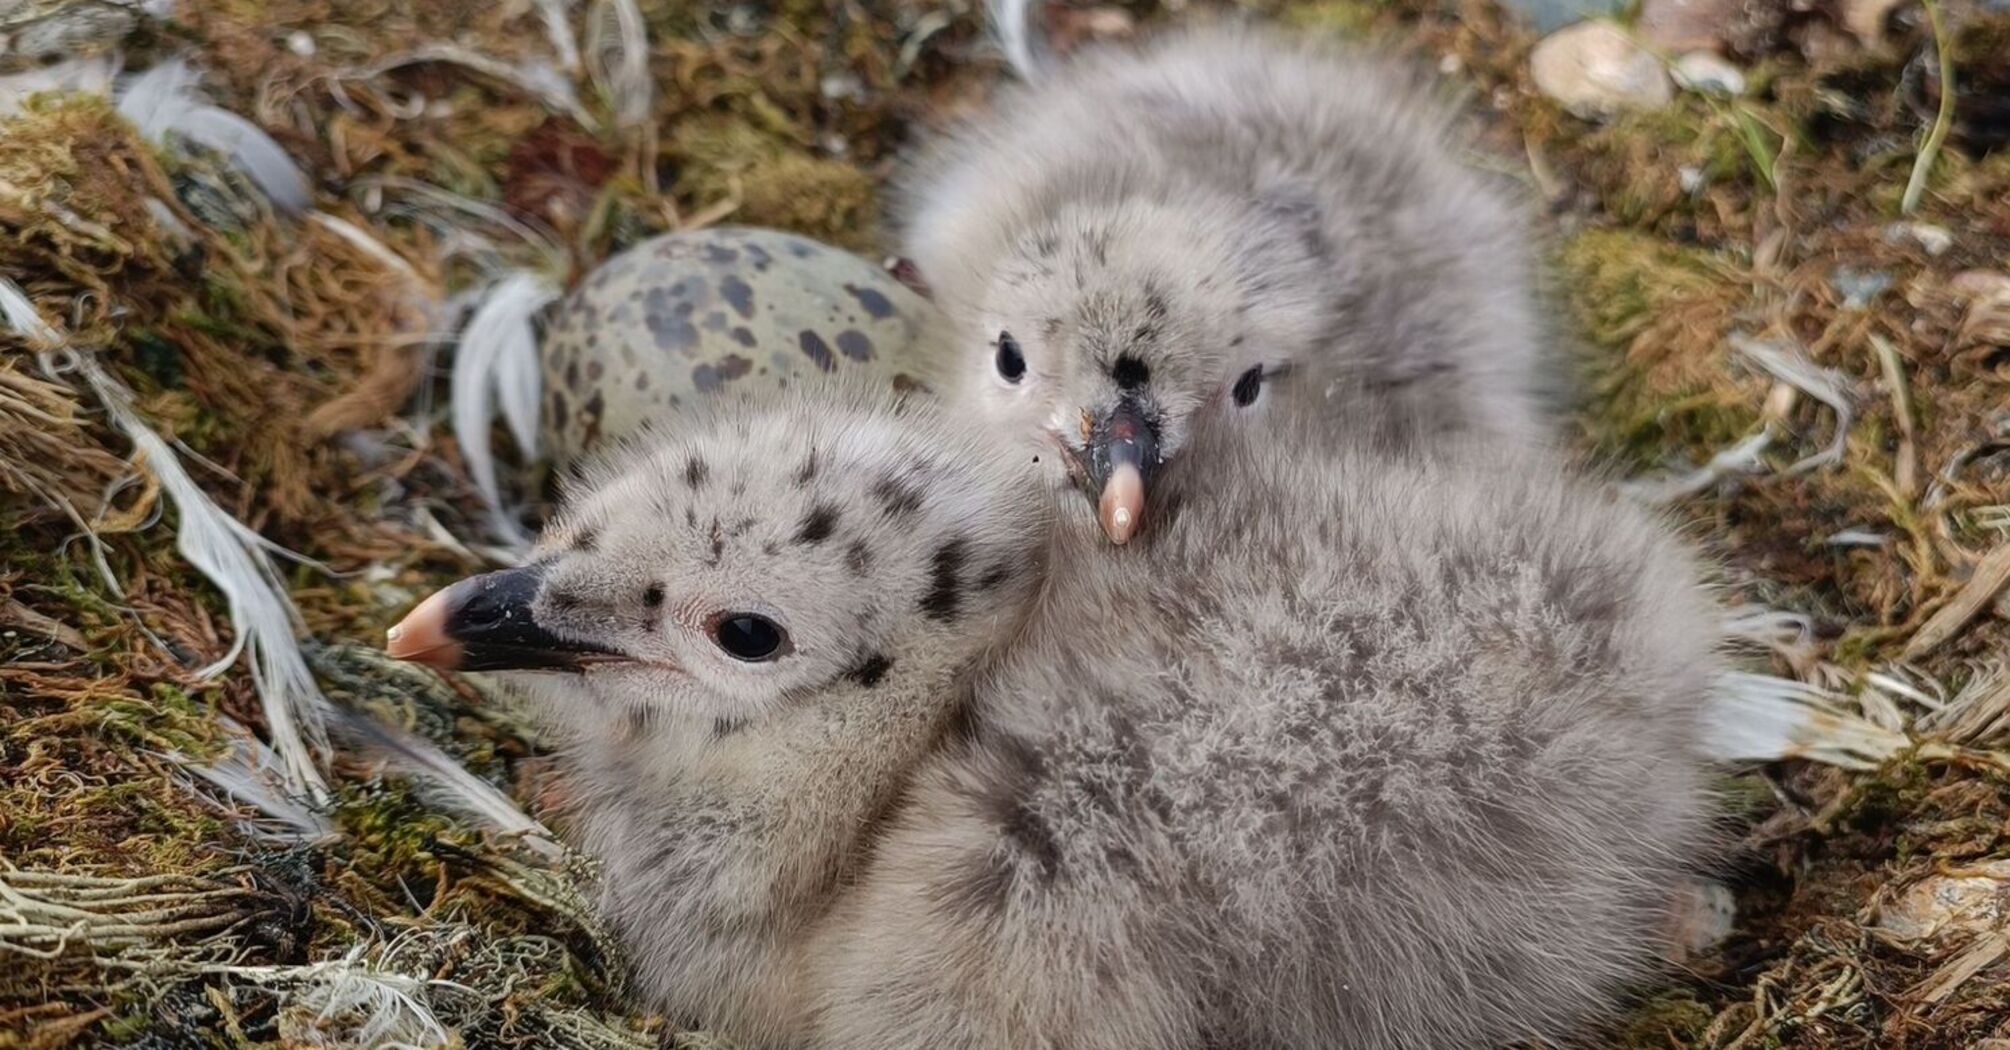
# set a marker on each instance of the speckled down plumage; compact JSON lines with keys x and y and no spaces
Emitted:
{"x":694,"y":314}
{"x":1355,"y":749}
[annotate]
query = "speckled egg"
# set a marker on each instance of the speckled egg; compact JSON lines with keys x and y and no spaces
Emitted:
{"x":699,"y":313}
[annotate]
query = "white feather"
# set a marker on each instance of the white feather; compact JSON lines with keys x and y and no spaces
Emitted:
{"x":224,"y":550}
{"x":347,"y":1002}
{"x":444,"y":783}
{"x":235,"y":559}
{"x":1790,"y":365}
{"x":1761,"y":718}
{"x":497,"y":363}
{"x":557,"y":15}
{"x":1745,"y":457}
{"x":90,"y":74}
{"x":22,"y":317}
{"x":252,"y":774}
{"x":617,"y":44}
{"x":1018,"y":37}
{"x":166,"y":103}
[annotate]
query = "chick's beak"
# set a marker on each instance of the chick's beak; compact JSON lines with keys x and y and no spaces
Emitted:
{"x":1122,"y":455}
{"x":484,"y":623}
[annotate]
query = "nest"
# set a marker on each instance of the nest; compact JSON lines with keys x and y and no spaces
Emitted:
{"x":1810,"y":380}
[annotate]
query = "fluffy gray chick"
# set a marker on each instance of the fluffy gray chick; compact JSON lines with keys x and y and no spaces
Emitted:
{"x":1190,"y":228}
{"x":1408,"y":760}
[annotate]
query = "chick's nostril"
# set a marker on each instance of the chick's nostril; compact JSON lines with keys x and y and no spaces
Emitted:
{"x":1130,"y":373}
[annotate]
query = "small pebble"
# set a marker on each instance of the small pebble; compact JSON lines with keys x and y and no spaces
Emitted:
{"x":1595,"y":71}
{"x":300,"y":43}
{"x":1707,"y":73}
{"x":1690,"y":178}
{"x":1935,"y":239}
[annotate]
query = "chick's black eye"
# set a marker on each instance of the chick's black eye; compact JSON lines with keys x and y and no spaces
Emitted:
{"x":1247,"y":386}
{"x":749,"y":636}
{"x":1011,"y":363}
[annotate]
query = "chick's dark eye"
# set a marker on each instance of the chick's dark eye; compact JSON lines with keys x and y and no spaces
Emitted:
{"x":1011,"y":363}
{"x":1247,"y":386}
{"x":749,"y":636}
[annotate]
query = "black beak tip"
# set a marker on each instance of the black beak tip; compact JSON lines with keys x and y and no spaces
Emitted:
{"x":487,"y":623}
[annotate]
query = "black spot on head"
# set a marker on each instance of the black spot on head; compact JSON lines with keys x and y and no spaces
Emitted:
{"x":727,"y":726}
{"x":870,"y":670}
{"x":998,"y":574}
{"x":695,"y":473}
{"x":586,"y":538}
{"x":858,"y":558}
{"x":818,"y":350}
{"x":945,"y":586}
{"x":1130,"y":373}
{"x":743,"y":336}
{"x":898,"y":498}
{"x":1157,"y":307}
{"x":817,"y":524}
{"x":652,"y":596}
{"x":808,"y":471}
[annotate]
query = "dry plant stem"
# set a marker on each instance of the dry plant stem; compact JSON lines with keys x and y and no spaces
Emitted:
{"x":1942,"y":120}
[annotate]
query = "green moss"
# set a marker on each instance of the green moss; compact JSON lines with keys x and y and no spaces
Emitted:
{"x":1674,"y":1019}
{"x":777,"y":182}
{"x":1352,"y":19}
{"x":1655,"y":315}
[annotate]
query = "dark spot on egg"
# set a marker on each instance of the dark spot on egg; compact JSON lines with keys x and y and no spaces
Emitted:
{"x":739,"y":295}
{"x":818,"y":351}
{"x":853,"y":344}
{"x":876,"y":304}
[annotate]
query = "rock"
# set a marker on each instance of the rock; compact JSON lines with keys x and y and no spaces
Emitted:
{"x":1936,"y":240}
{"x":1547,"y":16}
{"x":1595,"y":71}
{"x":1707,"y":73}
{"x":1703,"y":916}
{"x":1865,"y":19}
{"x":1959,"y":902}
{"x":690,"y":315}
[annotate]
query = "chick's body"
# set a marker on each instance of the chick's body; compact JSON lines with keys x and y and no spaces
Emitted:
{"x":1409,"y":758}
{"x":1228,"y":212}
{"x":1357,"y":751}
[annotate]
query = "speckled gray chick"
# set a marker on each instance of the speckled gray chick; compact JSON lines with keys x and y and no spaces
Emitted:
{"x":878,"y":758}
{"x":689,"y":316}
{"x":1151,"y":235}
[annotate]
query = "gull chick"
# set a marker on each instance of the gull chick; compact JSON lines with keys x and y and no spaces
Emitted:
{"x":1209,"y":223}
{"x":880,"y":757}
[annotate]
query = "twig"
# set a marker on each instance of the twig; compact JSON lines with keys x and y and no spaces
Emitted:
{"x":1944,"y":119}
